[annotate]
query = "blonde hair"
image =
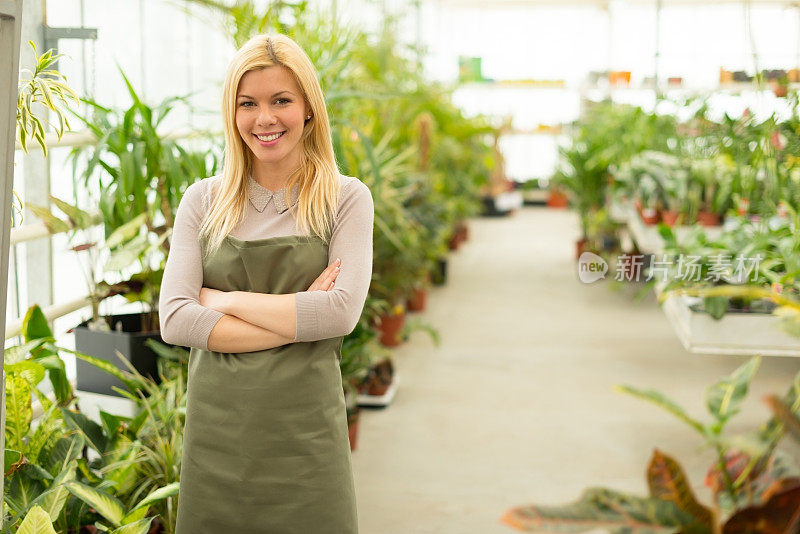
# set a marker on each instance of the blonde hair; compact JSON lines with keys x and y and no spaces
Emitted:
{"x":317,"y":177}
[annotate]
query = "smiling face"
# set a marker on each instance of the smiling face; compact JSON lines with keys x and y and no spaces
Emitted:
{"x":270,"y":116}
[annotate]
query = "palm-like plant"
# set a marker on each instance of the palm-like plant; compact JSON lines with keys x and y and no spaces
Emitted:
{"x":140,"y":176}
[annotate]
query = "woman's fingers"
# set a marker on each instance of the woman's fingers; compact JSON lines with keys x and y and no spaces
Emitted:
{"x":325,"y":280}
{"x":329,"y":281}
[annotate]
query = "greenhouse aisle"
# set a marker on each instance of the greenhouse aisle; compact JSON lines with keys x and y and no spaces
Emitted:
{"x":516,"y":406}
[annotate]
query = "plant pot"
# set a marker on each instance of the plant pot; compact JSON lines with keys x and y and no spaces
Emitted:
{"x":379,"y":379}
{"x":557,"y":199}
{"x":464,"y":229}
{"x":454,"y":242}
{"x":439,"y":276}
{"x":352,"y":429}
{"x":670,"y":218}
{"x":129,"y":341}
{"x":390,"y":327}
{"x":744,"y":207}
{"x":650,"y":216}
{"x":581,"y":245}
{"x":780,"y":90}
{"x":619,"y":77}
{"x":417,"y":300}
{"x":706,"y":218}
{"x":609,"y":243}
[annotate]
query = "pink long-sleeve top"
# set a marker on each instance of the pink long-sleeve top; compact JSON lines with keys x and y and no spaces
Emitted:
{"x":320,"y":314}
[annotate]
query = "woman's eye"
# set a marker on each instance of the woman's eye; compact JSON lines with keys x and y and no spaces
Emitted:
{"x":282,"y":101}
{"x":245,"y":103}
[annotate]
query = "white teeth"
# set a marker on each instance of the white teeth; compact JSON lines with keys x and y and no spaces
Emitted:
{"x":267,"y":138}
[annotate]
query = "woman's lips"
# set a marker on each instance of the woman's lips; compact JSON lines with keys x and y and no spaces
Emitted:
{"x":269,"y":143}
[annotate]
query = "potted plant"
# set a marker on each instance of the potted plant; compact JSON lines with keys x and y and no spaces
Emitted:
{"x":47,"y":465}
{"x":141,"y":175}
{"x":390,"y":325}
{"x":676,"y":192}
{"x":753,"y":486}
{"x":557,"y":198}
{"x":358,"y":351}
{"x":713,"y":179}
{"x":418,"y":299}
{"x":649,"y":198}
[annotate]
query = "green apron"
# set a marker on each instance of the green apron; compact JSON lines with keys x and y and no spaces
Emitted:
{"x":266,"y":449}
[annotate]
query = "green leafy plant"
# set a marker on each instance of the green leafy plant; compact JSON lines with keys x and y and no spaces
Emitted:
{"x":136,"y":465}
{"x":48,"y":87}
{"x":141,"y":176}
{"x":753,"y":483}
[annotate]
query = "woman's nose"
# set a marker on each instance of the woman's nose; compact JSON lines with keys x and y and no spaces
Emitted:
{"x":266,"y":117}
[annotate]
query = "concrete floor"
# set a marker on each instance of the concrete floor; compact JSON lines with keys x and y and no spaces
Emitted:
{"x":515,"y":406}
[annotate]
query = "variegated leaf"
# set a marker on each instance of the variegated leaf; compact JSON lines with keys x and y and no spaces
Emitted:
{"x":106,"y":505}
{"x":37,"y":521}
{"x":663,"y":402}
{"x":18,"y":411}
{"x":602,"y":508}
{"x":139,"y":527}
{"x":667,"y":482}
{"x":779,"y":515}
{"x":724,"y":397}
{"x":54,"y":499}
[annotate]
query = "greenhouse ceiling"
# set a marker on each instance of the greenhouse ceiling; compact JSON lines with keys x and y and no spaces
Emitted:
{"x":606,"y":3}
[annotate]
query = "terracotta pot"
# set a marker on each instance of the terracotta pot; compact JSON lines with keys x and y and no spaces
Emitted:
{"x":454,"y":242}
{"x":352,"y":430}
{"x":706,"y":218}
{"x":390,"y":327}
{"x":461,"y":231}
{"x":556,"y":199}
{"x":743,"y":207}
{"x":650,"y":216}
{"x":670,"y":218}
{"x":417,"y":301}
{"x":780,"y":90}
{"x":581,"y":246}
{"x":619,"y":77}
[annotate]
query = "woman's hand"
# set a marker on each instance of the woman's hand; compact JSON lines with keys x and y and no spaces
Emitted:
{"x":325,"y":281}
{"x":215,"y":299}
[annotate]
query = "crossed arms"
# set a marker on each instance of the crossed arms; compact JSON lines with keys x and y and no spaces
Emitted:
{"x":239,"y":321}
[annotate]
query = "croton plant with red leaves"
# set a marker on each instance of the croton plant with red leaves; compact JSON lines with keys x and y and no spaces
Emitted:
{"x":756,"y":486}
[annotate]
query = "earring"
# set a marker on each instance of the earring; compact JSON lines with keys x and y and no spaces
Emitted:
{"x":308,"y":117}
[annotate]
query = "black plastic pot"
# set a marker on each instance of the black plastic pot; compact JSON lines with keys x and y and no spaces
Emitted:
{"x":130,"y":342}
{"x":439,"y":276}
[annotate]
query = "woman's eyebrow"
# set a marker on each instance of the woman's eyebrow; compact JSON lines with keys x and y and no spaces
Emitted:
{"x":273,"y":96}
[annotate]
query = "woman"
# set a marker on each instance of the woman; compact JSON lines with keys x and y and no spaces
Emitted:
{"x":269,"y":267}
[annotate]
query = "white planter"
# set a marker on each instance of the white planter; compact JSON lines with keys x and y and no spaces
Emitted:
{"x":736,"y":333}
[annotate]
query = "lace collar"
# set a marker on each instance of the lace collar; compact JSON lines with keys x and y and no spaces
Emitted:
{"x":260,"y":196}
